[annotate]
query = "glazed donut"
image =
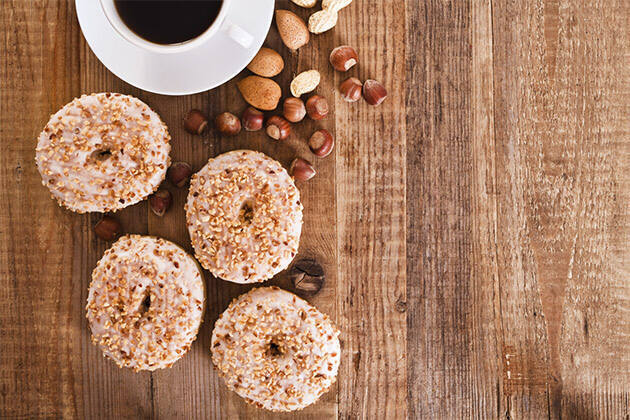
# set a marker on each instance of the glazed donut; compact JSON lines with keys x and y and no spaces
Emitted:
{"x":244,"y":216}
{"x":103,"y":152}
{"x":275,"y":350}
{"x":145,"y":303}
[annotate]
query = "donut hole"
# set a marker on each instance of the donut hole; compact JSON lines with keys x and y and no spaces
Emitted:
{"x":146,"y":304}
{"x":101,"y":155}
{"x":274,"y":349}
{"x":246,"y":212}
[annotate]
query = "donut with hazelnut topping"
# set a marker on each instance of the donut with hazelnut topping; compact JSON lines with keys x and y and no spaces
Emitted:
{"x":103,"y":152}
{"x":145,"y":303}
{"x":244,"y":216}
{"x":275,"y":350}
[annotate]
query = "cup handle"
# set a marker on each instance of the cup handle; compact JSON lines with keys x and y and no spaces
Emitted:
{"x":238,"y":34}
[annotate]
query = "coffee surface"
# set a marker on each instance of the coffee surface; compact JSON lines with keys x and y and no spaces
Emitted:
{"x":168,"y":21}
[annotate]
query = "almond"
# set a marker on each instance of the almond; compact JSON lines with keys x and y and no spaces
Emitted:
{"x":292,"y":29}
{"x":267,"y":63}
{"x":260,"y":92}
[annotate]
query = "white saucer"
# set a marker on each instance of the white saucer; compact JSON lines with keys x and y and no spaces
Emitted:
{"x":207,"y":66}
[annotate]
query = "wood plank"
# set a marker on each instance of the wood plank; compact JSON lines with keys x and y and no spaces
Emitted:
{"x":370,"y":186}
{"x":558,"y":184}
{"x":451,"y":226}
{"x":520,"y":77}
{"x":36,"y":335}
{"x":486,"y":378}
{"x":593,"y":105}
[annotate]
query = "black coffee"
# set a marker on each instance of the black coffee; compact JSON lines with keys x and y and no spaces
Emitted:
{"x":168,"y":21}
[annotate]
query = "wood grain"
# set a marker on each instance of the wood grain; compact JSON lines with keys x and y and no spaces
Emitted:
{"x":559,"y":172}
{"x":512,"y":167}
{"x":474,"y":228}
{"x":443,"y":319}
{"x":370,"y":186}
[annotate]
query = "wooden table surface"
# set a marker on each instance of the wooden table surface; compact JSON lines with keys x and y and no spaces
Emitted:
{"x":474,"y":229}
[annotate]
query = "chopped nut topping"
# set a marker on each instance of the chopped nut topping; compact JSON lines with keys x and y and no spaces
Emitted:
{"x":273,"y":349}
{"x":244,"y":216}
{"x":103,"y":152}
{"x":145,"y":302}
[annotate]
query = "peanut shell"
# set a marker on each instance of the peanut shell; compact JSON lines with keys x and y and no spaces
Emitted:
{"x":305,"y":3}
{"x":305,"y":82}
{"x":322,"y":21}
{"x":335,"y":5}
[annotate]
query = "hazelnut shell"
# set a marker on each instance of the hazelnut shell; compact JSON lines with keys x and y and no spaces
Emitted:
{"x":294,"y":110}
{"x":179,"y":174}
{"x":321,"y":143}
{"x":160,"y":202}
{"x":350,"y":89}
{"x":195,"y":122}
{"x":374,"y":93}
{"x":317,"y":107}
{"x":107,"y":228}
{"x":252,"y":119}
{"x":301,"y":169}
{"x":343,"y":58}
{"x":228,"y":124}
{"x":278,"y":128}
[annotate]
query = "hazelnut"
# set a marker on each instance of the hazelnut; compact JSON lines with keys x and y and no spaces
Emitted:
{"x":373,"y":92}
{"x":107,"y":228}
{"x":351,"y":89}
{"x":307,"y":277}
{"x":195,"y":122}
{"x":228,"y":124}
{"x":301,"y":169}
{"x":252,"y":119}
{"x":160,"y":202}
{"x":294,"y":110}
{"x":317,"y":107}
{"x":278,"y":128}
{"x":321,"y":143}
{"x":179,"y":174}
{"x":343,"y":58}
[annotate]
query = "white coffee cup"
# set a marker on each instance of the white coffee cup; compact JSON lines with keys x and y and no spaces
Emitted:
{"x":235,"y":32}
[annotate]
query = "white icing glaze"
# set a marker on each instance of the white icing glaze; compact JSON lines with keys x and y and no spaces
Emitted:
{"x":129,"y":332}
{"x":303,"y":363}
{"x":226,"y":243}
{"x":103,"y":152}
